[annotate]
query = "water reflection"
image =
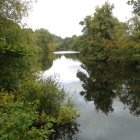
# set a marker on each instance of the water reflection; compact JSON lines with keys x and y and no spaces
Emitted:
{"x":12,"y":71}
{"x":64,"y":68}
{"x":73,"y":56}
{"x":67,"y":132}
{"x":105,"y":83}
{"x":45,"y":61}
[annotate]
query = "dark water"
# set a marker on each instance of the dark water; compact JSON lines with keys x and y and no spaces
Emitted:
{"x":107,"y":96}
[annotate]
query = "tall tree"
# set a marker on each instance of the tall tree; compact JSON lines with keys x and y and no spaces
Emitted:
{"x":101,"y":24}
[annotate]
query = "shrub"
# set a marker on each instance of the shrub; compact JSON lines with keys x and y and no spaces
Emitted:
{"x":49,"y":94}
{"x":18,"y":120}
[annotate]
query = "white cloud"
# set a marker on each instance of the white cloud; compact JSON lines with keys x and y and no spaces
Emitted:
{"x":62,"y":17}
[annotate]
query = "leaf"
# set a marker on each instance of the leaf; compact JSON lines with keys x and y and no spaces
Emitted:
{"x":49,"y":125}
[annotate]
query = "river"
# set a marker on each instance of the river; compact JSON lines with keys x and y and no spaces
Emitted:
{"x":109,"y":102}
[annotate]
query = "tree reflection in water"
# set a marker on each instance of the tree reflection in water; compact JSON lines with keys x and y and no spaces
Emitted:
{"x":67,"y":132}
{"x":105,"y":83}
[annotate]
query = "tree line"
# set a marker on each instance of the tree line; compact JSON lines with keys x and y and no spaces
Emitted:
{"x":107,"y":39}
{"x":110,"y":56}
{"x":30,"y":107}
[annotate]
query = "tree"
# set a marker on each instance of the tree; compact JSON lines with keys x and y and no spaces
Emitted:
{"x":136,"y":6}
{"x":101,"y":24}
{"x":14,"y":9}
{"x":12,"y":40}
{"x":44,"y":40}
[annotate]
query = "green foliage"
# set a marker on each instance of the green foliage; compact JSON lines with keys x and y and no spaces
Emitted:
{"x":44,"y":62}
{"x":69,"y":43}
{"x":29,"y":107}
{"x":102,"y":31}
{"x":58,"y":42}
{"x":69,"y":117}
{"x":13,"y":70}
{"x":12,"y":41}
{"x":48,"y":93}
{"x":107,"y":39}
{"x":44,"y":44}
{"x":14,"y":9}
{"x":18,"y":120}
{"x":32,"y":113}
{"x":44,"y":40}
{"x":101,"y":24}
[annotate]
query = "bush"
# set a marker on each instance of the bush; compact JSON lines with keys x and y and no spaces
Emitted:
{"x":48,"y":93}
{"x":35,"y":110}
{"x":18,"y":120}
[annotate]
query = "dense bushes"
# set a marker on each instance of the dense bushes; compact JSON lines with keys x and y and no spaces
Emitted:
{"x":19,"y":120}
{"x":32,"y":113}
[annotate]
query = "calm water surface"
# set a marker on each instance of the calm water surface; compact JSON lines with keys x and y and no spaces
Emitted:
{"x":109,"y":102}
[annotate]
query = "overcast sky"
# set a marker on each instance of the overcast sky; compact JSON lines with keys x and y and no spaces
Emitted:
{"x":62,"y":17}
